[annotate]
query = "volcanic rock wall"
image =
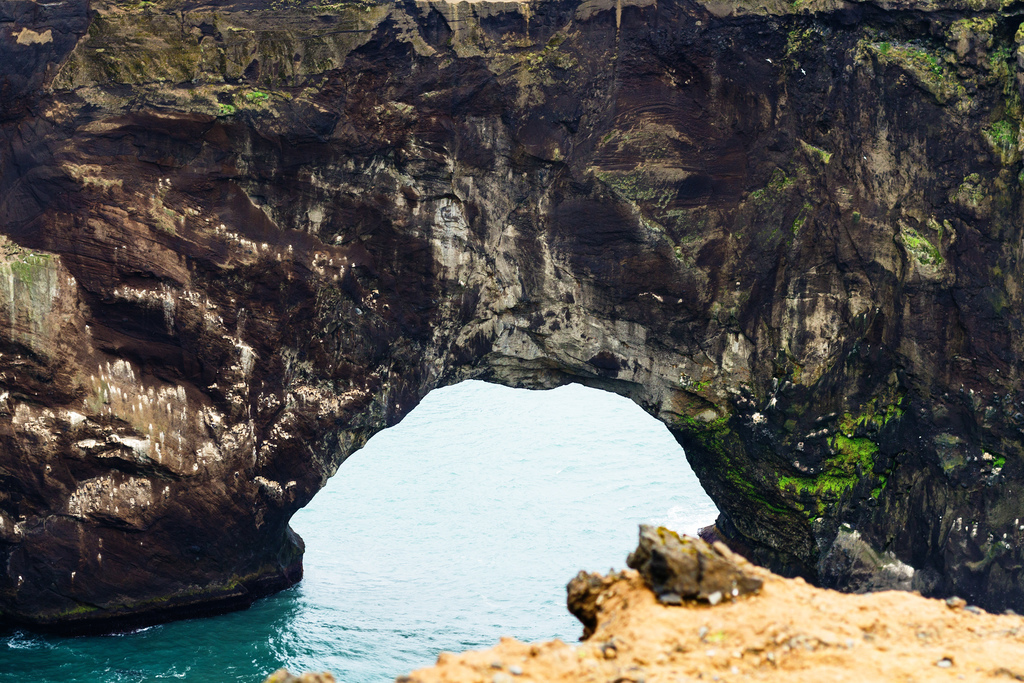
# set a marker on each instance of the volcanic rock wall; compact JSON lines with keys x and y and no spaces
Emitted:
{"x":241,"y":237}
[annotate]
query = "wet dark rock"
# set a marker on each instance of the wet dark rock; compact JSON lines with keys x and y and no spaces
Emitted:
{"x":684,"y":567}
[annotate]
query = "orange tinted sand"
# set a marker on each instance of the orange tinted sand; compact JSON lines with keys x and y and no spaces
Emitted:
{"x":790,"y":631}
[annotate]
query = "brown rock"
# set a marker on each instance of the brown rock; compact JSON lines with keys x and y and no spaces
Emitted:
{"x":678,"y":568}
{"x":584,"y":590}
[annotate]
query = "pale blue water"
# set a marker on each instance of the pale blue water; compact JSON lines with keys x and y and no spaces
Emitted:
{"x":458,"y":526}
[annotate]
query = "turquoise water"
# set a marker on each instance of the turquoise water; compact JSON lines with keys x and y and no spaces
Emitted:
{"x":458,"y":526}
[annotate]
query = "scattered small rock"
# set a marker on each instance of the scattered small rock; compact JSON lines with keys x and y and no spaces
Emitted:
{"x":974,"y":610}
{"x":955,"y":603}
{"x":501,"y":678}
{"x":684,"y":567}
{"x":496,"y":665}
{"x":944,"y":663}
{"x":515,"y":670}
{"x":670,"y":599}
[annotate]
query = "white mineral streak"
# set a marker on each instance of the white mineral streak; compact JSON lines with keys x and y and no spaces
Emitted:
{"x":166,"y":426}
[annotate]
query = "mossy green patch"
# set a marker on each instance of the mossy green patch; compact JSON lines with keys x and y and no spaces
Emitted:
{"x":925,"y":63}
{"x":718,"y":437}
{"x":816,"y":152}
{"x":853,"y":454}
{"x":30,"y":266}
{"x":801,"y":218}
{"x":799,"y":40}
{"x":1002,"y":137}
{"x":922,"y":250}
{"x":874,"y":415}
{"x":550,"y":58}
{"x":971,"y":192}
{"x":882,"y":481}
{"x":854,"y":457}
{"x":78,"y":610}
{"x":777,"y":186}
{"x":858,"y":450}
{"x":711,"y":434}
{"x":638,"y":186}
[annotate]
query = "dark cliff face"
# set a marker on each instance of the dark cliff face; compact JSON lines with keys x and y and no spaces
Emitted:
{"x":240,"y":238}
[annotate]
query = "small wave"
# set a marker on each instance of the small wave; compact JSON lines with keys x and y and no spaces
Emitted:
{"x":684,"y":519}
{"x":132,"y":632}
{"x":20,"y":640}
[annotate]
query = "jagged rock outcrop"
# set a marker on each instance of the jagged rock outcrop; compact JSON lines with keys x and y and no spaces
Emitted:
{"x":241,"y":237}
{"x":675,"y":568}
{"x":679,"y":568}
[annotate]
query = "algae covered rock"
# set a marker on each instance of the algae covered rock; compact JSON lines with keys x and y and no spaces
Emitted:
{"x":678,"y":568}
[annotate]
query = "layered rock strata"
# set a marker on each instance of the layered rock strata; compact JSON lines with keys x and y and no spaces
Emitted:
{"x":239,"y":238}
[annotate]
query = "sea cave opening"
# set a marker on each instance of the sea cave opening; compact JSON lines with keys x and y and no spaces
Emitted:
{"x":464,"y":522}
{"x":459,"y":525}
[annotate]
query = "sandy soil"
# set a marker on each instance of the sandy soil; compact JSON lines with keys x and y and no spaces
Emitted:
{"x":790,"y":631}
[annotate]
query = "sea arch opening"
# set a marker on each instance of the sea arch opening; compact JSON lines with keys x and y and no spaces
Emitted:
{"x":463,"y":523}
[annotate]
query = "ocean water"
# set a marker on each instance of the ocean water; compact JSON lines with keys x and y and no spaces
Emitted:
{"x":459,"y":525}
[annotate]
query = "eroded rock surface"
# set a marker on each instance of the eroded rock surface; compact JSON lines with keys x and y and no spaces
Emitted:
{"x":239,"y":238}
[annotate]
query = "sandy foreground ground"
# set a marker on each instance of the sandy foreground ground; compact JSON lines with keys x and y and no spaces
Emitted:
{"x":789,"y":631}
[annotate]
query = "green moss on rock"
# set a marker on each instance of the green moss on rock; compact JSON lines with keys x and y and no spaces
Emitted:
{"x":853,"y":456}
{"x":1002,"y":138}
{"x":920,"y":248}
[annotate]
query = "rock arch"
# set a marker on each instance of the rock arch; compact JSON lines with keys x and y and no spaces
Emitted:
{"x":793,"y":242}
